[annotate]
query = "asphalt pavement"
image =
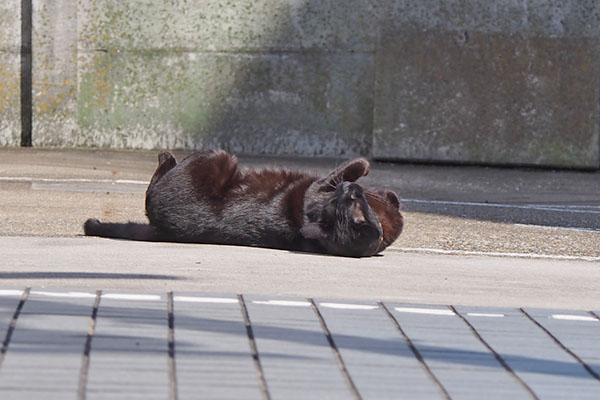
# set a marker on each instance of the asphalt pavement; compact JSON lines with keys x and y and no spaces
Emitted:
{"x":447,"y":208}
{"x":46,"y":195}
{"x":491,"y":291}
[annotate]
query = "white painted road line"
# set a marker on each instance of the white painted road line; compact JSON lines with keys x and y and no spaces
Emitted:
{"x":472,"y":314}
{"x":342,"y":306}
{"x":8,"y":292}
{"x":431,"y":311}
{"x":497,"y":254}
{"x":285,"y":303}
{"x":64,"y":294}
{"x":126,"y":296}
{"x":567,"y":317}
{"x":553,"y":227}
{"x":190,"y":299}
{"x":27,"y":179}
{"x":498,"y":205}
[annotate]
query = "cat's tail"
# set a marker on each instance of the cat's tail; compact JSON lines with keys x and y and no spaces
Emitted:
{"x":129,"y":230}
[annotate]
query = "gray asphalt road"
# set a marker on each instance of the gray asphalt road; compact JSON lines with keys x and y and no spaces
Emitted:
{"x":455,"y":209}
{"x":396,"y":276}
{"x":529,"y":196}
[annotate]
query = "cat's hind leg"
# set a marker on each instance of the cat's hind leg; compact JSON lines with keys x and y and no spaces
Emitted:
{"x":213,"y":172}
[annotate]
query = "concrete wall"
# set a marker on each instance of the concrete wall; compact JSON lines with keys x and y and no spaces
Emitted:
{"x":508,"y":81}
{"x":270,"y":76}
{"x":10,"y":67}
{"x":56,"y":59}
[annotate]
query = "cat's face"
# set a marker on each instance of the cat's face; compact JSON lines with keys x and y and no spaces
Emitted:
{"x":386,"y":205}
{"x":341,"y":219}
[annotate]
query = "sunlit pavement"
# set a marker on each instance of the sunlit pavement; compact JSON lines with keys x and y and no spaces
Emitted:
{"x":458,"y":308}
{"x":132,"y":344}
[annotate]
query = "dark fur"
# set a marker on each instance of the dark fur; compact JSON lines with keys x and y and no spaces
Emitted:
{"x":206,"y":198}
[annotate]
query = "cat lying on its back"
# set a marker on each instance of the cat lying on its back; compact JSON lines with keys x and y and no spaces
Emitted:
{"x":206,"y":198}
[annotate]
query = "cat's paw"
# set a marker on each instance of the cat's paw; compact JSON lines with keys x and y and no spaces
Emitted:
{"x":355,"y":169}
{"x":349,"y":171}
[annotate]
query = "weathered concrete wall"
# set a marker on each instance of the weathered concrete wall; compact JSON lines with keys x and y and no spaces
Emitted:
{"x":55,"y":65}
{"x":10,"y":67}
{"x":508,"y":82}
{"x":285,"y":76}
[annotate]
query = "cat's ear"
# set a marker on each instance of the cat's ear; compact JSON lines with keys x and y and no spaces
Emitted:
{"x":392,"y":198}
{"x":387,"y":196}
{"x":349,"y":171}
{"x":311,"y":230}
{"x":166,"y":162}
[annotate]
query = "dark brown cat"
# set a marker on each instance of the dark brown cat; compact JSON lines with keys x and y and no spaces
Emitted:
{"x":206,"y":198}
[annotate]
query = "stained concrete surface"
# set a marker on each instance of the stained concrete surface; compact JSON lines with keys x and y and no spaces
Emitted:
{"x":10,"y":70}
{"x":164,"y":310}
{"x":509,"y":82}
{"x":93,"y":263}
{"x":51,"y":193}
{"x":488,"y":97}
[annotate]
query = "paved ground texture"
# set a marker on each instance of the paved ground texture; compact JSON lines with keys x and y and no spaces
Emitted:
{"x":95,"y":263}
{"x":449,"y":209}
{"x":150,"y":345}
{"x":490,"y":292}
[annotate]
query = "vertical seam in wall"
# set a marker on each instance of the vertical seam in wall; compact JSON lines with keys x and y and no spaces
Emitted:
{"x":371,"y":138}
{"x":26,"y":73}
{"x":374,"y":86}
